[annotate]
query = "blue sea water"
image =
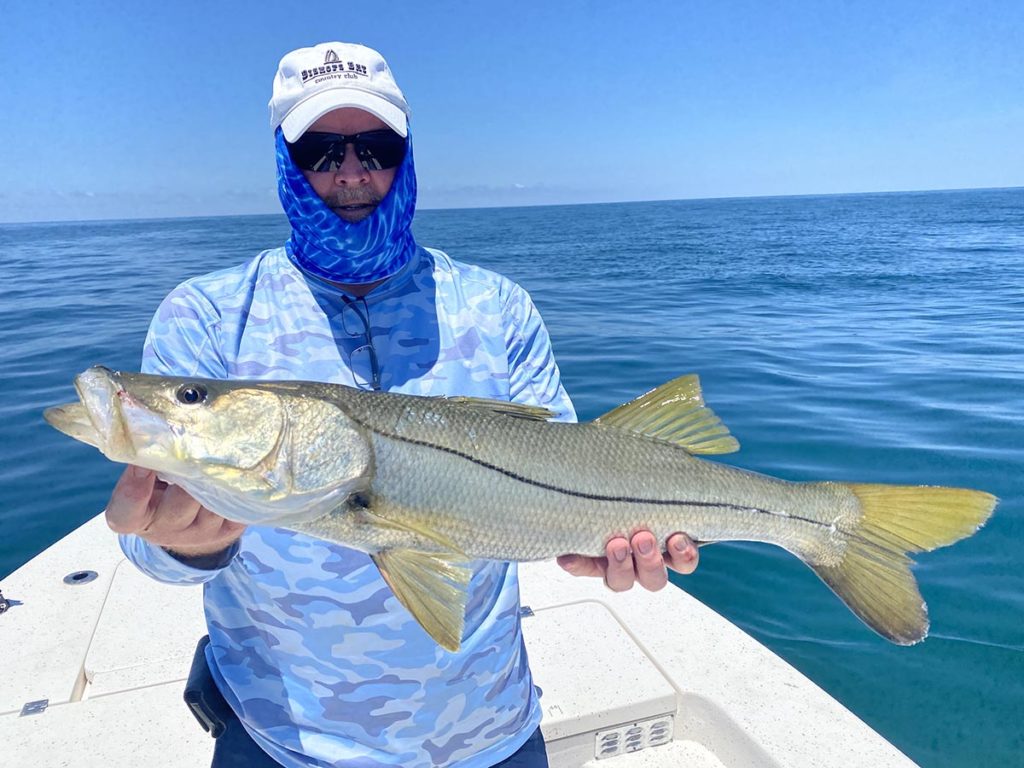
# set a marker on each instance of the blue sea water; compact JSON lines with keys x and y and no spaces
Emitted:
{"x":875,"y":338}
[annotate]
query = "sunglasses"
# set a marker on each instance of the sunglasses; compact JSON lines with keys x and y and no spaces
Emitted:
{"x":362,"y":359}
{"x":376,"y":150}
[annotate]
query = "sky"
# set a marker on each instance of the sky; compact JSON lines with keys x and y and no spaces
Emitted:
{"x":152,"y":110}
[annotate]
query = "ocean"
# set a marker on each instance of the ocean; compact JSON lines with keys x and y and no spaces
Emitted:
{"x":871,"y":337}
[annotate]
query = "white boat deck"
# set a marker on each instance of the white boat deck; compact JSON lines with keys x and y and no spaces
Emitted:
{"x":657,"y":673}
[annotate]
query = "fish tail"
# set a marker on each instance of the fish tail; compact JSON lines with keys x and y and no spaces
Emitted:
{"x":873,"y":577}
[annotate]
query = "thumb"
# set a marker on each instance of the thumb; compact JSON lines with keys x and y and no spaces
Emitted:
{"x":578,"y":565}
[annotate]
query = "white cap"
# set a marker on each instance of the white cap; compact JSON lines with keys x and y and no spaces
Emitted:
{"x":310,"y":82}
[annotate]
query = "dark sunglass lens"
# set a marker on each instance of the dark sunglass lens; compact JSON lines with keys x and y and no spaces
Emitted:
{"x":376,"y":150}
{"x":381,"y":150}
{"x":316,"y":152}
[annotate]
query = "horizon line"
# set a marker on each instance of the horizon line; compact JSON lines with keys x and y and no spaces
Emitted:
{"x":542,"y":205}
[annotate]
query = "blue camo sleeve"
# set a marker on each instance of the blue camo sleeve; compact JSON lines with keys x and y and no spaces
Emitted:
{"x":184,"y":338}
{"x":182,"y":341}
{"x":156,"y":563}
{"x":533,"y":374}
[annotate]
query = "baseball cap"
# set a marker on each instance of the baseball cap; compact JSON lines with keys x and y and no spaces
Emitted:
{"x":310,"y":82}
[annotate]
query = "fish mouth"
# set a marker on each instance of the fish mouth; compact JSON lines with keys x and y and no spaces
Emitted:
{"x":101,"y":393}
{"x":90,"y":419}
{"x":99,"y":418}
{"x":73,"y":420}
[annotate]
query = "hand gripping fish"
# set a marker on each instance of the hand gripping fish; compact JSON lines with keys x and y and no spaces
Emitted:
{"x":424,"y":485}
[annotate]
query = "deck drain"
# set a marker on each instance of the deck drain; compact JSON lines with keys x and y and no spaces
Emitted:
{"x":80,"y":577}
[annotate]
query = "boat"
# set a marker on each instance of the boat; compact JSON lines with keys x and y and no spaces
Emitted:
{"x":96,"y":655}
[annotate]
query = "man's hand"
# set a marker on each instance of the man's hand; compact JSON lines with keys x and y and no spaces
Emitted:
{"x":638,"y":560}
{"x":165,"y":515}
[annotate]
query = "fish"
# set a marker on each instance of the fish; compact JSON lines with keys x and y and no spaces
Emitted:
{"x":427,"y":485}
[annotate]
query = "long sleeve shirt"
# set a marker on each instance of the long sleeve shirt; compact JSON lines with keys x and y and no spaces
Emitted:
{"x":308,"y":644}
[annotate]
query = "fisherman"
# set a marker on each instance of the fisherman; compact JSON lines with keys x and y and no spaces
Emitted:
{"x":317,"y":661}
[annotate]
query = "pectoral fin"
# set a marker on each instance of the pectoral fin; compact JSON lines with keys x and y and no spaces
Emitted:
{"x":432,"y":587}
{"x":674,"y":412}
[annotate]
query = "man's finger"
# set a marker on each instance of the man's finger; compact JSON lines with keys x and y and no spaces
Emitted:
{"x":209,"y":526}
{"x":207,"y":532}
{"x":177,"y":511}
{"x":682,"y":553}
{"x":128,"y":510}
{"x":620,"y":575}
{"x":650,"y":565}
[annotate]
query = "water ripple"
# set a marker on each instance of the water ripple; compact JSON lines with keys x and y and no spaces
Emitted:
{"x":867,"y":337}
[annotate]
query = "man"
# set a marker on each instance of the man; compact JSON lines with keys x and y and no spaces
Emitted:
{"x":307,"y":644}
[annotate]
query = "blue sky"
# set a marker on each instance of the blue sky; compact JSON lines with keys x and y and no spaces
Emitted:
{"x":117,"y":110}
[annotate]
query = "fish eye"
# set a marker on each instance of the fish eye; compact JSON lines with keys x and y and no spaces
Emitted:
{"x":191,"y":394}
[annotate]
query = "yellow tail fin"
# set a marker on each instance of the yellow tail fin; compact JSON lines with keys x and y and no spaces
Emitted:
{"x":874,"y":578}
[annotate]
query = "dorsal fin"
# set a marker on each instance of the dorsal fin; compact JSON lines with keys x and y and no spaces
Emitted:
{"x":674,"y":412}
{"x":532,"y":412}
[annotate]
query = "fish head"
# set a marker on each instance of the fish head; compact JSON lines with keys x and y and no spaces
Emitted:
{"x":172,"y":424}
{"x":242,"y":448}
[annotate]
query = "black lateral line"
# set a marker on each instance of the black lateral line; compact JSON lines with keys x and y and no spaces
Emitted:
{"x":583,"y":494}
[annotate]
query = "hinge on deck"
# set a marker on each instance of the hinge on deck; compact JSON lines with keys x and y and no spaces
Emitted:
{"x":35,"y":707}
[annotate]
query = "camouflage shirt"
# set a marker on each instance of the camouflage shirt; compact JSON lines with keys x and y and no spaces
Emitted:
{"x":308,"y":644}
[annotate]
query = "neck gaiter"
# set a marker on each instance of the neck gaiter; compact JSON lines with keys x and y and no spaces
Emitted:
{"x":325,"y":245}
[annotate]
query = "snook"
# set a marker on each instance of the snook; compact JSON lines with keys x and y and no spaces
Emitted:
{"x":424,"y":485}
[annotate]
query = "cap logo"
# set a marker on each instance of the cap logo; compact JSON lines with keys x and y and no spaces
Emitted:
{"x":333,"y":69}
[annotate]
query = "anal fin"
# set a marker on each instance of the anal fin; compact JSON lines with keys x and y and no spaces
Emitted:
{"x":432,"y":586}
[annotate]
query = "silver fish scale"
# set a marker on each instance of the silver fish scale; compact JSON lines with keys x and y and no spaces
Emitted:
{"x":511,"y":488}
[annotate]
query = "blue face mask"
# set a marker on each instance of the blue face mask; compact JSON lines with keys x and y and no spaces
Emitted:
{"x":325,"y":245}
